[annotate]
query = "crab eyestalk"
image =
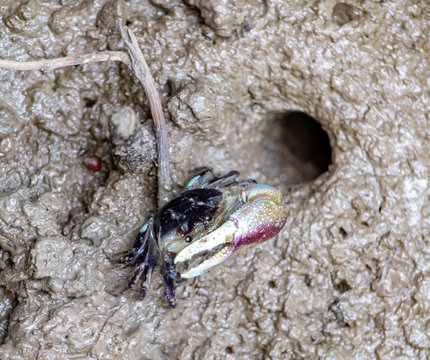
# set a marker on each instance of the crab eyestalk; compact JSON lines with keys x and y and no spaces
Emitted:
{"x":261,"y":218}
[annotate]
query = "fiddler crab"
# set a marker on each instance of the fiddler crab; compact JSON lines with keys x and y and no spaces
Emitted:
{"x":212,"y":213}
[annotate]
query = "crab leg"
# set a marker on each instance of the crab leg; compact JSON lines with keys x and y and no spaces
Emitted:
{"x":136,"y":275}
{"x":169,"y":285}
{"x":147,"y":262}
{"x":152,"y":263}
{"x":139,"y":248}
{"x":206,"y":179}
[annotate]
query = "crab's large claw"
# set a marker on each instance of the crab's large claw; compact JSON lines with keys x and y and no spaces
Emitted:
{"x":261,"y":217}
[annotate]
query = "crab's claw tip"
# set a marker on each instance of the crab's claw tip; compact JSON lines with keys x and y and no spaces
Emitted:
{"x":222,"y":236}
{"x":225,"y":252}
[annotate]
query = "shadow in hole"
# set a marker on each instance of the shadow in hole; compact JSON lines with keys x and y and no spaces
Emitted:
{"x":296,"y":148}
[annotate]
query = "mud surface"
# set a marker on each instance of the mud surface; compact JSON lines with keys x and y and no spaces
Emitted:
{"x":348,"y":277}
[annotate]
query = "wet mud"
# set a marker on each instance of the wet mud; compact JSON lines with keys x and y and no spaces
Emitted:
{"x":240,"y":81}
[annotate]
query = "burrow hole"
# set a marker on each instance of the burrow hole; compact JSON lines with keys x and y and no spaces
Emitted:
{"x":344,"y":13}
{"x":295,"y":147}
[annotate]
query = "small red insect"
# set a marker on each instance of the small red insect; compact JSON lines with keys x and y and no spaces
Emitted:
{"x":93,"y":163}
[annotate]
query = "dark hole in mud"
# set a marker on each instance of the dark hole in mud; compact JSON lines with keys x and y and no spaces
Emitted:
{"x":247,"y":27}
{"x":271,"y":284}
{"x":295,"y":147}
{"x":89,"y":103}
{"x":344,"y":13}
{"x":342,"y":286}
{"x":343,"y":232}
{"x":307,"y":280}
{"x":307,"y":140}
{"x":167,"y":90}
{"x":313,"y":339}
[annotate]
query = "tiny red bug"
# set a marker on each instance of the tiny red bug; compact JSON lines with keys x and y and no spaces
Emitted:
{"x":93,"y":163}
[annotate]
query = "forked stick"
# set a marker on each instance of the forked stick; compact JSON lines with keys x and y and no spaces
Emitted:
{"x":136,"y":62}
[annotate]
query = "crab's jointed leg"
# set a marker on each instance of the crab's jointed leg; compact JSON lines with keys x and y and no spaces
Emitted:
{"x":139,"y":248}
{"x":152,"y":263}
{"x":144,"y":254}
{"x":207,"y":179}
{"x":169,"y":285}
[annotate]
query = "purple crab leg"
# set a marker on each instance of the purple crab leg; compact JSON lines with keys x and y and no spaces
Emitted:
{"x":225,"y":180}
{"x":152,"y":263}
{"x":169,"y":285}
{"x":200,"y":180}
{"x":136,"y":275}
{"x":136,"y":255}
{"x":174,"y":274}
{"x":139,"y":248}
{"x":206,"y":179}
{"x":144,"y":258}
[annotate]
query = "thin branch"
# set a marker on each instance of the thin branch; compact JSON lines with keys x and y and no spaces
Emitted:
{"x":142,"y":72}
{"x":52,"y":64}
{"x":136,"y":62}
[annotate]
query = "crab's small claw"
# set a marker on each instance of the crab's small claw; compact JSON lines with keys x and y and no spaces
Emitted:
{"x":262,"y":217}
{"x":222,"y":236}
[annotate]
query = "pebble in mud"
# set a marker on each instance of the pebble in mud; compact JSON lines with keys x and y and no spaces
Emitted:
{"x":224,"y":17}
{"x":134,"y":145}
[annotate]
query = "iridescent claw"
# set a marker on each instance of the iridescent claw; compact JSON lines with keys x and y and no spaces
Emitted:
{"x":262,"y":217}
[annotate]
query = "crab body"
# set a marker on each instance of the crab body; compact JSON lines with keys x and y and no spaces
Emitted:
{"x":212,"y":212}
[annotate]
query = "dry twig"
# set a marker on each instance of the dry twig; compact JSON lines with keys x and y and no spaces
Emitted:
{"x":136,"y":62}
{"x":142,"y":72}
{"x":52,"y":64}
